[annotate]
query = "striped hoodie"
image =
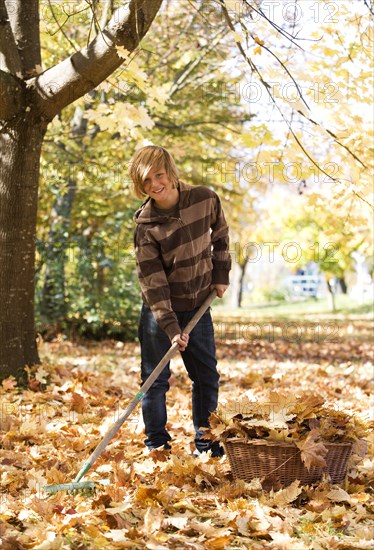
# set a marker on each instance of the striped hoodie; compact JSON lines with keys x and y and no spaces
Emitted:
{"x":179,"y":256}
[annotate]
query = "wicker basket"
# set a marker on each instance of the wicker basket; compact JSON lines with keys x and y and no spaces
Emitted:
{"x":260,"y":458}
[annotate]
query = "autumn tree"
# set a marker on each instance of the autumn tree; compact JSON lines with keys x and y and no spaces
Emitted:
{"x":30,"y":99}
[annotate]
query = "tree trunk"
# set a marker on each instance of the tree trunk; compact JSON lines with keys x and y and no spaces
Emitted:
{"x":53,"y":303}
{"x":343,"y":285}
{"x":20,"y":144}
{"x":331,"y":289}
{"x":241,"y":281}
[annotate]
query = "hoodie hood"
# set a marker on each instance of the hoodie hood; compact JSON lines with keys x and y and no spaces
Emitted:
{"x":147,"y":213}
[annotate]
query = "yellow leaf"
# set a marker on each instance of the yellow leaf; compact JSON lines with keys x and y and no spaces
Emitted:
{"x":257,"y":50}
{"x":287,"y":495}
{"x":152,"y":520}
{"x":339,"y":495}
{"x":238,"y":38}
{"x":258,"y":41}
{"x":122,"y":52}
{"x":41,"y":375}
{"x":217,"y":543}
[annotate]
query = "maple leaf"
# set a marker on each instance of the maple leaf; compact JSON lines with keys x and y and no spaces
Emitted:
{"x":152,"y":520}
{"x":286,"y":495}
{"x":122,"y":52}
{"x":218,"y":543}
{"x":307,"y":406}
{"x":41,"y":375}
{"x":277,"y":408}
{"x":312,"y":452}
{"x":78,"y":402}
{"x":360,"y":448}
{"x":339,"y":495}
{"x":9,"y":383}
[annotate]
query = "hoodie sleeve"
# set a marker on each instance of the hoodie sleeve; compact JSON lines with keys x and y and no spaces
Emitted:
{"x":153,"y":282}
{"x":220,"y":243}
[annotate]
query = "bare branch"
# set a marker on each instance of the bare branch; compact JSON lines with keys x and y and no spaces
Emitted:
{"x":106,"y":13}
{"x":9,"y":57}
{"x":370,"y":8}
{"x":10,"y":96}
{"x":61,"y":27}
{"x":358,"y":195}
{"x":191,"y":66}
{"x":75,"y":76}
{"x":281,"y":31}
{"x":268,"y":88}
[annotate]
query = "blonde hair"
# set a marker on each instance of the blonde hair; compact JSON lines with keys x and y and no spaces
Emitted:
{"x":146,"y":158}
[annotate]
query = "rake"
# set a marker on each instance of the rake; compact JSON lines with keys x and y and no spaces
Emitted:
{"x":79,"y":485}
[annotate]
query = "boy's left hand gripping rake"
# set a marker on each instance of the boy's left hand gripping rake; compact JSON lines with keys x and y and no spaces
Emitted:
{"x":82,"y":485}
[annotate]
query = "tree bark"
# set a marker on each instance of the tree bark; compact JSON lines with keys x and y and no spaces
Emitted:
{"x":10,"y":96}
{"x":19,"y":169}
{"x":10,"y":60}
{"x":24,"y":21}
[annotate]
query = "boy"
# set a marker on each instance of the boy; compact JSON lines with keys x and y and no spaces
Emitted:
{"x":182,"y":252}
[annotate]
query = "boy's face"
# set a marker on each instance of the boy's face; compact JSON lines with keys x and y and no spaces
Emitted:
{"x":158,"y":186}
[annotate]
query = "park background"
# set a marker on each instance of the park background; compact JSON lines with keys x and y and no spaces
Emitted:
{"x":296,"y":193}
{"x":270,"y":104}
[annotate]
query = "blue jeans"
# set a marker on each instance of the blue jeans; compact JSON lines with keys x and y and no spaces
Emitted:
{"x":200,"y":361}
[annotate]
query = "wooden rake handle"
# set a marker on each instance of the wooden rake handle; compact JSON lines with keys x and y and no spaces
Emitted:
{"x":144,"y":388}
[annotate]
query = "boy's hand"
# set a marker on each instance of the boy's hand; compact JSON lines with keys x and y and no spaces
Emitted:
{"x":221,"y":289}
{"x":182,"y":340}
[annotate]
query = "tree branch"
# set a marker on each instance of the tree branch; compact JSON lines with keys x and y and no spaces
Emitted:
{"x":268,"y":89}
{"x":191,"y":66}
{"x":9,"y":57}
{"x":24,"y":20}
{"x":10,"y":96}
{"x":75,"y":76}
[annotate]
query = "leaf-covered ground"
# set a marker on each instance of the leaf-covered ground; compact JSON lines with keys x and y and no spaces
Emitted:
{"x":179,"y":502}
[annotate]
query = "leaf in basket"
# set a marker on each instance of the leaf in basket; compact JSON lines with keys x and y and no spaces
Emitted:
{"x":276,"y":423}
{"x":277,"y":409}
{"x":217,"y":427}
{"x":312,"y":451}
{"x":307,"y":406}
{"x":279,"y":435}
{"x":244,"y":407}
{"x":219,"y":430}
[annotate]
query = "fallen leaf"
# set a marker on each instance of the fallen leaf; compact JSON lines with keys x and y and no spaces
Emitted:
{"x":287,"y":495}
{"x":339,"y":495}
